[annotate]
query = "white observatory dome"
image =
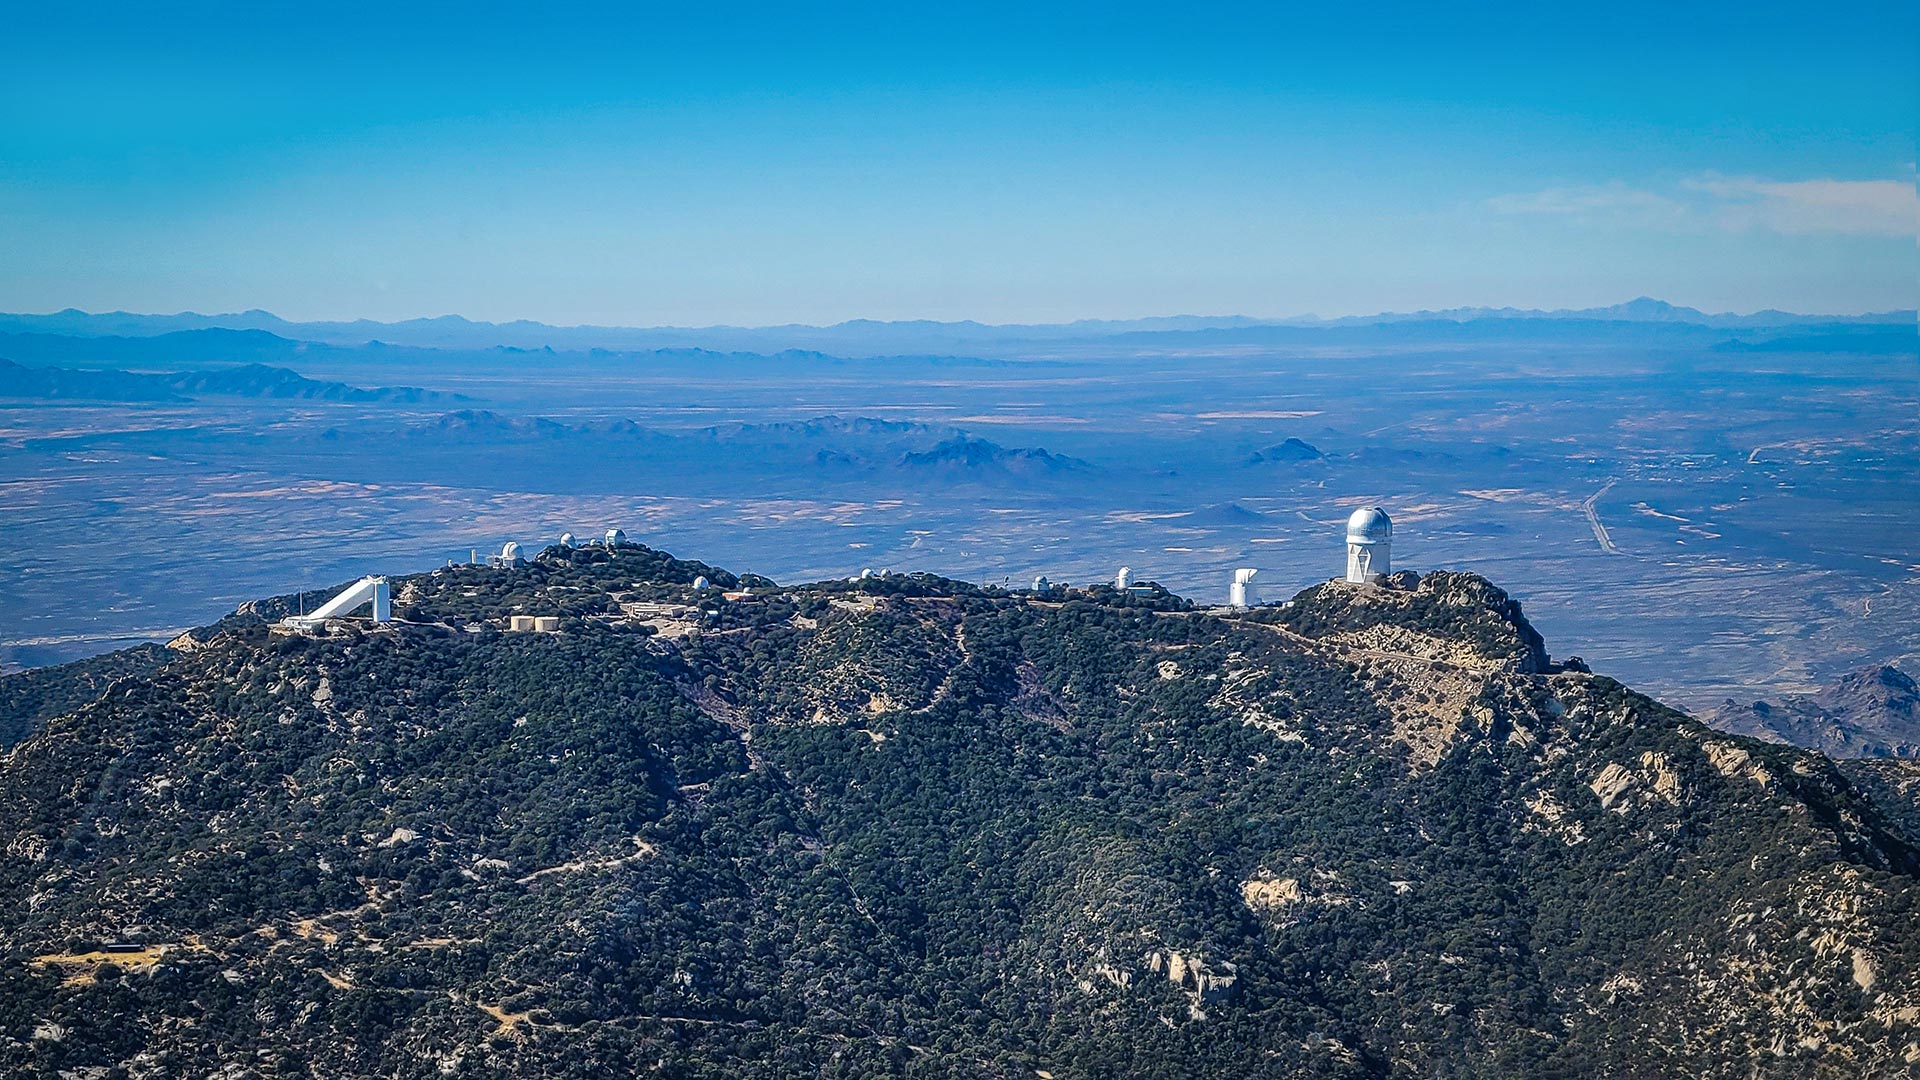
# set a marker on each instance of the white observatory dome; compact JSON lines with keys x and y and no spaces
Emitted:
{"x":1369,"y":545}
{"x":1369,"y":525}
{"x":510,"y":551}
{"x":615,"y":538}
{"x":700,"y":582}
{"x":566,"y":540}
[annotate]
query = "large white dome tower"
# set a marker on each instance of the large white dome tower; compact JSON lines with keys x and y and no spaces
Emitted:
{"x":1369,"y":545}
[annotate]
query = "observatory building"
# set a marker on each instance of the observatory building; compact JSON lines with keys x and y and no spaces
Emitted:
{"x":1240,"y":594}
{"x":1369,"y":545}
{"x":370,"y":592}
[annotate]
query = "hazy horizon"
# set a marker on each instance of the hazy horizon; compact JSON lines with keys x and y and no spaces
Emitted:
{"x":1151,"y":316}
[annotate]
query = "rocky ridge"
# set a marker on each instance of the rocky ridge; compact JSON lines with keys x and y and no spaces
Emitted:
{"x":911,"y":826}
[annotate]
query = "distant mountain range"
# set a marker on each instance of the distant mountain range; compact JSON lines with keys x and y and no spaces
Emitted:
{"x":860,"y":336}
{"x":244,"y":380}
{"x":824,"y":446}
{"x":1640,"y":309}
{"x":1870,"y":713}
{"x":222,"y":346}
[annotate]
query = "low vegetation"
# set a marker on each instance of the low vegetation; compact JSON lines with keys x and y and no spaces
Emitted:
{"x":909,"y":826}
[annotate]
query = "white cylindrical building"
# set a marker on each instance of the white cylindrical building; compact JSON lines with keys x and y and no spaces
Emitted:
{"x":1124,"y":578}
{"x":1369,"y":545}
{"x":1240,"y":594}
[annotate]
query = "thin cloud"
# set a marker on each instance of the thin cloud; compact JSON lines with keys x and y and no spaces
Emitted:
{"x":1587,"y":199}
{"x":1854,"y":207}
{"x":1737,"y":203}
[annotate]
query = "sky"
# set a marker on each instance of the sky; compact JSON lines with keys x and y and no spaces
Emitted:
{"x":641,"y":165}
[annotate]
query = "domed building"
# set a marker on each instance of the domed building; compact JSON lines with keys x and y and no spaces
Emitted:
{"x":1369,"y":545}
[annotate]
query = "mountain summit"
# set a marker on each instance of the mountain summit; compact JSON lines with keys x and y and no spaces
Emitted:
{"x":910,"y":826}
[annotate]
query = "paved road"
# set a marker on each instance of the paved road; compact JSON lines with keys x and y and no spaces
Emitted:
{"x":1593,"y":519}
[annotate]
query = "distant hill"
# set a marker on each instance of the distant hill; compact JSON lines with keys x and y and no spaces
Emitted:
{"x":841,"y":445}
{"x":1872,"y":712}
{"x":1288,"y":450}
{"x":244,"y":380}
{"x":1223,"y":515}
{"x":821,"y":427}
{"x":1873,"y":339}
{"x":969,"y":455}
{"x":488,"y":428}
{"x":909,"y":826}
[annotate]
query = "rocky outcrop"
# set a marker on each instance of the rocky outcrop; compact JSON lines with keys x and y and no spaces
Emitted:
{"x":1270,"y":895}
{"x":1204,"y":982}
{"x":1621,"y":787}
{"x":1454,"y":617}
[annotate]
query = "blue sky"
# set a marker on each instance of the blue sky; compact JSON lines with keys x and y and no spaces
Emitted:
{"x":754,"y":165}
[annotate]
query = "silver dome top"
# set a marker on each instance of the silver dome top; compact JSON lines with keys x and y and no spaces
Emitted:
{"x":1369,"y":525}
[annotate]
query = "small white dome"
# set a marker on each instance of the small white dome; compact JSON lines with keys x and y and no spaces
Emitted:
{"x":1369,"y":525}
{"x":566,"y":540}
{"x":510,"y":551}
{"x":700,"y":582}
{"x":615,"y":538}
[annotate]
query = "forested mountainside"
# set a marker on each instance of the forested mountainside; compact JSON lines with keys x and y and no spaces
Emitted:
{"x":909,"y":826}
{"x":1892,"y":783}
{"x":28,"y":699}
